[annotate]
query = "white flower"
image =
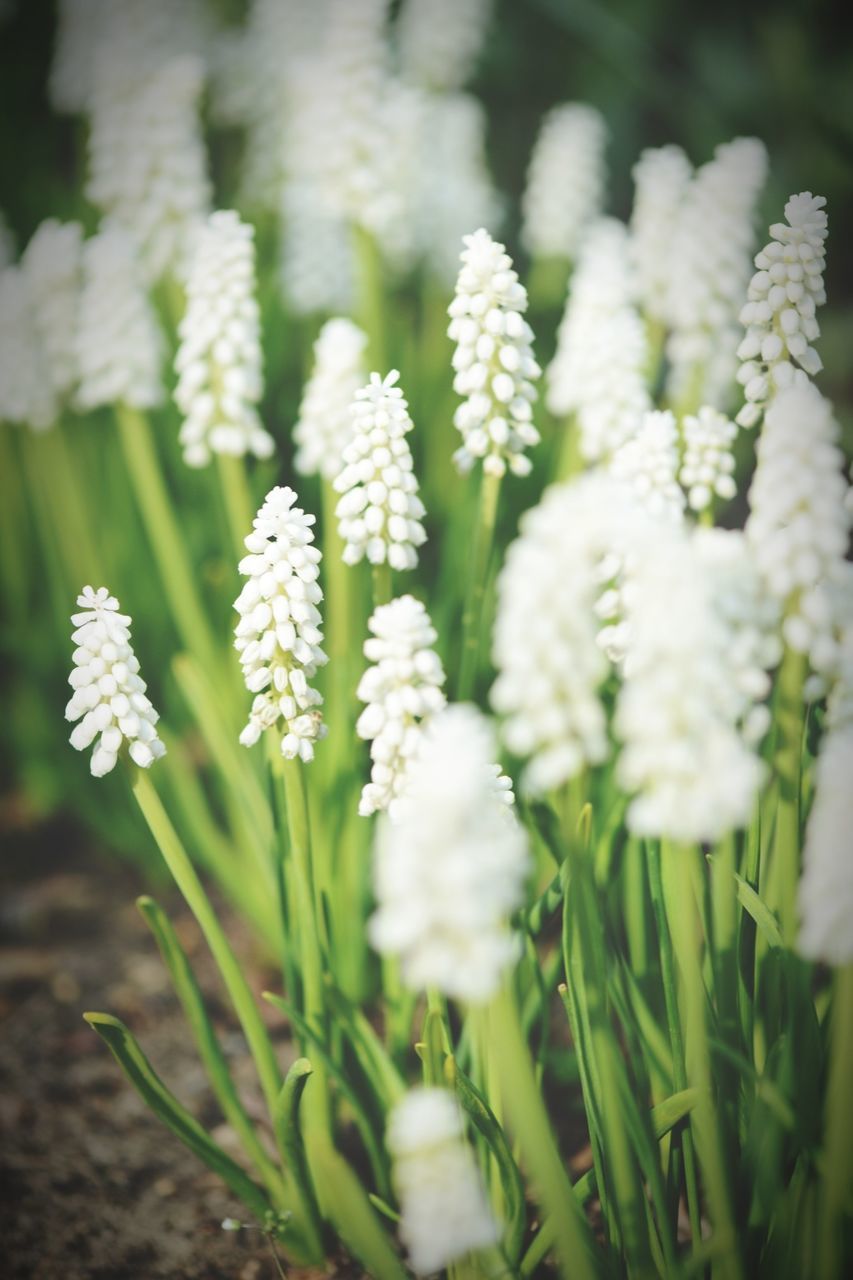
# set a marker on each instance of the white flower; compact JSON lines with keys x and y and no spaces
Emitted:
{"x":826,"y":886}
{"x":565,"y":181}
{"x":599,"y":370}
{"x":450,"y":868}
{"x":780,"y":312}
{"x":444,"y":1209}
{"x":219,"y":358}
{"x":709,"y":462}
{"x":26,"y":392}
{"x":402,"y":689}
{"x":380,"y":512}
{"x":648,"y":465}
{"x":709,"y":270}
{"x":494,"y":361}
{"x":109,"y":699}
{"x":661,"y":178}
{"x":325,"y":424}
{"x":52,"y":265}
{"x":278,"y":635}
{"x":119,"y":348}
{"x":440,"y":40}
{"x":799,"y":524}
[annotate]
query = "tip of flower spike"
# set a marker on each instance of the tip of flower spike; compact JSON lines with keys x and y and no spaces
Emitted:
{"x":379,"y":386}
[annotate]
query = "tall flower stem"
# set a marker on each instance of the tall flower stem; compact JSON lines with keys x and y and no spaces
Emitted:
{"x":371,"y":301}
{"x":784,"y":859}
{"x":239,"y":506}
{"x":838,"y":1134}
{"x":472,"y":615}
{"x":382,"y":585}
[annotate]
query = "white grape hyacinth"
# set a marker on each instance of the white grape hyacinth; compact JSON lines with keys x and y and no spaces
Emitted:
{"x":648,"y":465}
{"x":494,"y":362}
{"x":325,"y":424}
{"x":440,"y":40}
{"x":402,"y":689}
{"x":708,"y":464}
{"x":565,"y":181}
{"x":278,"y":634}
{"x":444,"y":1209}
{"x":26,"y":393}
{"x":52,"y":264}
{"x":379,"y":512}
{"x":450,"y":867}
{"x":218,"y":363}
{"x":109,"y":701}
{"x":782,"y":301}
{"x":661,"y":179}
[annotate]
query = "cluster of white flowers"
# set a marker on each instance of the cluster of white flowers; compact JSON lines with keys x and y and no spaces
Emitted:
{"x":799,"y":523}
{"x":147,"y":165}
{"x":648,"y":465}
{"x":450,"y":868}
{"x":494,"y":361}
{"x":598,"y":372}
{"x":325,"y":424}
{"x":708,"y":464}
{"x":118,"y":345}
{"x":278,"y":634}
{"x":709,"y":269}
{"x":26,"y":395}
{"x":219,"y":358}
{"x":380,"y":512}
{"x":402,"y":689}
{"x":780,"y":312}
{"x":440,"y":40}
{"x":443,"y":1204}
{"x":565,"y":181}
{"x":52,"y":264}
{"x":661,"y":179}
{"x":109,"y":698}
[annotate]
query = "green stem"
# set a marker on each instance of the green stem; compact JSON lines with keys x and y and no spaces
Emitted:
{"x":785,"y":854}
{"x":182,"y":870}
{"x":472,"y":619}
{"x":371,"y":300}
{"x":239,"y":505}
{"x":382,"y":586}
{"x":838,"y":1134}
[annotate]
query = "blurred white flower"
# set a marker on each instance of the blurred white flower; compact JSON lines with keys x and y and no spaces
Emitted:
{"x":379,"y":512}
{"x":218,"y":363}
{"x":709,"y":463}
{"x":69,"y":84}
{"x":648,"y":465}
{"x":52,"y":264}
{"x":118,"y":345}
{"x":325,"y":424}
{"x":565,"y":181}
{"x":450,"y":867}
{"x":278,"y":634}
{"x":27,"y":396}
{"x":440,"y":40}
{"x":402,"y":689}
{"x":661,"y":179}
{"x":109,"y":699}
{"x":780,"y":312}
{"x":494,"y":361}
{"x":444,"y":1209}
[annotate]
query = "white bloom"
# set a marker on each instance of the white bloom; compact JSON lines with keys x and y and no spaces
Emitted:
{"x":565,"y":181}
{"x":444,"y":1209}
{"x":661,"y":178}
{"x":799,"y":524}
{"x":709,"y":463}
{"x":147,"y":165}
{"x":219,"y":358}
{"x":26,"y":392}
{"x":402,"y":689}
{"x":325,"y":424}
{"x":599,"y":370}
{"x":380,"y":512}
{"x":278,"y":635}
{"x":780,"y":312}
{"x":494,"y":361}
{"x":52,"y":264}
{"x":450,"y":868}
{"x":648,"y":465}
{"x":119,"y":347}
{"x":440,"y":40}
{"x":109,"y":699}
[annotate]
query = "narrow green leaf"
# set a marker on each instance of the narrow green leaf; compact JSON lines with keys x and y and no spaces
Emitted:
{"x":289,"y":1138}
{"x":383,"y":1207}
{"x":760,"y":912}
{"x":353,"y":1218}
{"x":375,"y":1060}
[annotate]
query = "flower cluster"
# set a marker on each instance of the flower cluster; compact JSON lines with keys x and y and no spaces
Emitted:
{"x":26,"y":394}
{"x":380,"y":512}
{"x":708,"y":465}
{"x":661,"y":178}
{"x":118,"y":345}
{"x":494,"y":361}
{"x":599,"y":369}
{"x":648,"y":465}
{"x":450,"y":868}
{"x":402,"y":689}
{"x":565,"y":181}
{"x":109,"y":698}
{"x":444,"y":1208}
{"x":440,"y":40}
{"x":278,"y":634}
{"x":219,"y":358}
{"x":325,"y":427}
{"x":52,"y":264}
{"x":780,"y":312}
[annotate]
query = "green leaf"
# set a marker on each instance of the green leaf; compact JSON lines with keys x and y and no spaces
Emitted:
{"x":383,"y":1207}
{"x":289,"y":1138}
{"x":133,"y":1062}
{"x":353,"y":1218}
{"x":760,"y":912}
